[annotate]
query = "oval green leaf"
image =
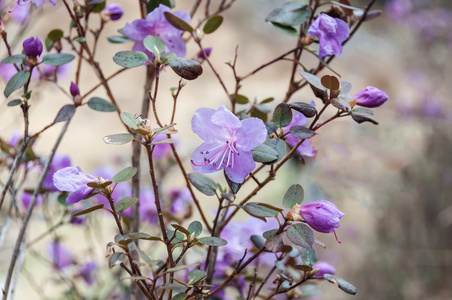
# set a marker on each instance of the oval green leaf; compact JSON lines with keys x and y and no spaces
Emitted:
{"x":154,"y":44}
{"x":55,"y":35}
{"x":14,"y":102}
{"x":212,"y":24}
{"x":301,"y":132}
{"x":99,"y":104}
{"x":125,"y":203}
{"x":185,"y":68}
{"x":14,"y":59}
{"x":114,"y":39}
{"x":212,"y":241}
{"x":306,"y":109}
{"x":309,"y":256}
{"x":360,"y":118}
{"x":65,"y":113}
{"x":264,"y":154}
{"x":301,"y":235}
{"x":124,"y":175}
{"x":57,"y":59}
{"x":129,"y":120}
{"x":203,"y":183}
{"x":282,"y":116}
{"x":118,"y":139}
{"x":289,"y":30}
{"x":88,"y":210}
{"x":313,"y":80}
{"x":130,"y":59}
{"x":195,"y":228}
{"x":256,"y":209}
{"x":16,"y":82}
{"x":279,"y":146}
{"x":290,"y":13}
{"x":293,"y":196}
{"x":196,"y":275}
{"x":178,"y":22}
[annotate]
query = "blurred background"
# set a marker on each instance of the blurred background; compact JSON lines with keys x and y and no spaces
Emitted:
{"x":393,"y":181}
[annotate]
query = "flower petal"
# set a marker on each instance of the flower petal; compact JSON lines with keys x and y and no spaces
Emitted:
{"x":202,"y":125}
{"x":203,"y":153}
{"x":224,"y":118}
{"x":252,"y":134}
{"x":243,"y":165}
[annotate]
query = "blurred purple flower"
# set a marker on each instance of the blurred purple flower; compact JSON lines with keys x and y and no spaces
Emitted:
{"x":156,"y":24}
{"x":180,"y":202}
{"x":59,"y":162}
{"x":332,"y":32}
{"x":73,"y":180}
{"x":74,"y":89}
{"x":305,"y":149}
{"x":60,"y":256}
{"x":148,"y":212}
{"x":162,"y":150}
{"x":370,"y":97}
{"x":227,"y":142}
{"x":397,"y":9}
{"x":201,"y":56}
{"x":324,"y":268}
{"x":113,"y":10}
{"x":20,"y":14}
{"x":26,"y":199}
{"x":15,"y":138}
{"x":322,"y":216}
{"x":88,"y":272}
{"x":32,"y":47}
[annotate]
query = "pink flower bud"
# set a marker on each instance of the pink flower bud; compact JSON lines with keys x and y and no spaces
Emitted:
{"x":74,"y":90}
{"x":370,"y":97}
{"x":32,"y":47}
{"x":113,"y":10}
{"x":322,"y":216}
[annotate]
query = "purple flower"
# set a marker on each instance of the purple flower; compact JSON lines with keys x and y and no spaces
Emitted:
{"x":156,"y":24}
{"x":332,"y":32}
{"x":324,"y":268}
{"x":322,"y":216}
{"x":370,"y":97}
{"x":162,"y":150}
{"x":180,"y":202}
{"x":227,"y":142}
{"x":58,"y":162}
{"x":113,"y":10}
{"x":305,"y":149}
{"x":61,"y":257}
{"x":88,"y":272}
{"x":74,"y":90}
{"x":26,"y":199}
{"x":73,"y":180}
{"x":32,"y":47}
{"x":201,"y":56}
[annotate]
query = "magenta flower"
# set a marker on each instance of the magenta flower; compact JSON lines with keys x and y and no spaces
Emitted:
{"x":58,"y":162}
{"x":32,"y":47}
{"x":370,"y":97}
{"x":61,"y":256}
{"x":26,"y":199}
{"x":88,"y":272}
{"x":332,"y":32}
{"x":113,"y":10}
{"x":74,"y":90}
{"x":156,"y":24}
{"x":305,"y":149}
{"x":324,"y":268}
{"x":227,"y":142}
{"x":322,"y":216}
{"x":73,"y":180}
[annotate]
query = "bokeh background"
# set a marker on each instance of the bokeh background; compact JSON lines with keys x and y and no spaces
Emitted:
{"x":393,"y":181}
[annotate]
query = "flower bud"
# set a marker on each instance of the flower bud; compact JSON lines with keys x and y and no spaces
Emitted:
{"x":32,"y":47}
{"x":370,"y":97}
{"x":113,"y":10}
{"x":74,"y":89}
{"x":324,"y":268}
{"x":322,"y":216}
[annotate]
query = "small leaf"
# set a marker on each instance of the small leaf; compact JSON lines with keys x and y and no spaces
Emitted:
{"x":88,"y":210}
{"x":341,"y":283}
{"x":290,"y":13}
{"x":264,"y":154}
{"x":14,"y":102}
{"x":138,"y":236}
{"x":80,"y":39}
{"x":330,"y":82}
{"x":180,"y":296}
{"x":267,"y":100}
{"x":212,"y":241}
{"x":212,"y":24}
{"x":301,"y":132}
{"x":129,"y":120}
{"x":258,"y":241}
{"x":178,"y":22}
{"x":270,"y":233}
{"x":256,"y":209}
{"x":293,"y":196}
{"x":57,"y":59}
{"x":271,"y":207}
{"x":309,"y":256}
{"x":125,"y":203}
{"x":154,"y":44}
{"x":289,"y":30}
{"x":116,"y":259}
{"x":203,"y":183}
{"x":196,"y":275}
{"x":274,"y":244}
{"x":98,"y":185}
{"x":185,"y":68}
{"x":130,"y":59}
{"x":174,"y":236}
{"x":102,"y":105}
{"x":181,"y":229}
{"x":345,"y":87}
{"x":195,"y":227}
{"x":263,"y":108}
{"x":118,"y":139}
{"x":279,"y":146}
{"x":124,"y":175}
{"x":363,"y":111}
{"x":65,"y":113}
{"x":164,"y":141}
{"x":234,"y":186}
{"x":341,"y":104}
{"x":301,"y":235}
{"x":240,"y":99}
{"x":282,"y":116}
{"x":14,"y":59}
{"x":16,"y":82}
{"x":313,"y":80}
{"x":55,"y":35}
{"x":307,"y":110}
{"x":360,"y":118}
{"x":271,"y":127}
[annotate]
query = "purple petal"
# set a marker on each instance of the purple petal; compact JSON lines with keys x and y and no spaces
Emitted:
{"x":202,"y":125}
{"x":174,"y":43}
{"x":203,"y":153}
{"x":252,"y":134}
{"x":138,"y":29}
{"x":60,"y":255}
{"x":243,"y":165}
{"x":224,"y":118}
{"x":71,"y":178}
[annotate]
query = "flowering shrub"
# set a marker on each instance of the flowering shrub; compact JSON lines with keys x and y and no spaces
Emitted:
{"x":165,"y":242}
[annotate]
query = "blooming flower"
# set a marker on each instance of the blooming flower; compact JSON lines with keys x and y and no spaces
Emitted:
{"x":332,"y":32}
{"x":73,"y":180}
{"x":370,"y":97}
{"x":88,"y":272}
{"x":61,"y":256}
{"x":322,"y":216}
{"x":156,"y":24}
{"x":32,"y":47}
{"x":305,"y":149}
{"x":324,"y":268}
{"x":58,"y":162}
{"x":227,"y":142}
{"x":113,"y":10}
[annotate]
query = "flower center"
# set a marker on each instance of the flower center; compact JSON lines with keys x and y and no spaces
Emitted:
{"x":224,"y":155}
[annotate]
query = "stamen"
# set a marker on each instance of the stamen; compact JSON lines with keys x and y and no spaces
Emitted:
{"x":337,"y":238}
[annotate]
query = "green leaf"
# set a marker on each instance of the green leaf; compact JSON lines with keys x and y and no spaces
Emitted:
{"x":212,"y":241}
{"x":196,"y":275}
{"x":279,"y":146}
{"x":293,"y":196}
{"x":341,"y":283}
{"x":309,"y":256}
{"x":363,"y":111}
{"x":313,"y":80}
{"x":259,"y":210}
{"x":164,"y":141}
{"x":57,"y":59}
{"x":274,"y":244}
{"x":116,"y":259}
{"x":181,"y":229}
{"x":258,"y":241}
{"x":180,"y":296}
{"x":212,"y":24}
{"x":185,"y":68}
{"x":98,"y":185}
{"x":125,"y":203}
{"x":301,"y":235}
{"x":195,"y":227}
{"x":307,"y":110}
{"x":27,"y":96}
{"x":301,"y":132}
{"x":102,"y":105}
{"x":154,"y":44}
{"x":115,"y":39}
{"x":263,"y":108}
{"x":271,"y":127}
{"x":95,"y":1}
{"x":341,"y":104}
{"x":16,"y":82}
{"x":267,"y":100}
{"x":264,"y":154}
{"x":14,"y":102}
{"x":80,"y":39}
{"x":178,"y":22}
{"x":118,"y":139}
{"x":290,"y":13}
{"x":360,"y":118}
{"x":240,"y":99}
{"x":14,"y":59}
{"x":48,"y":43}
{"x":282,"y":116}
{"x":124,"y":175}
{"x":65,"y":113}
{"x":130,"y":59}
{"x":268,"y":234}
{"x":289,"y":30}
{"x":138,"y":236}
{"x":129,"y":120}
{"x":88,"y":210}
{"x":174,"y":236}
{"x":55,"y":35}
{"x":203,"y":183}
